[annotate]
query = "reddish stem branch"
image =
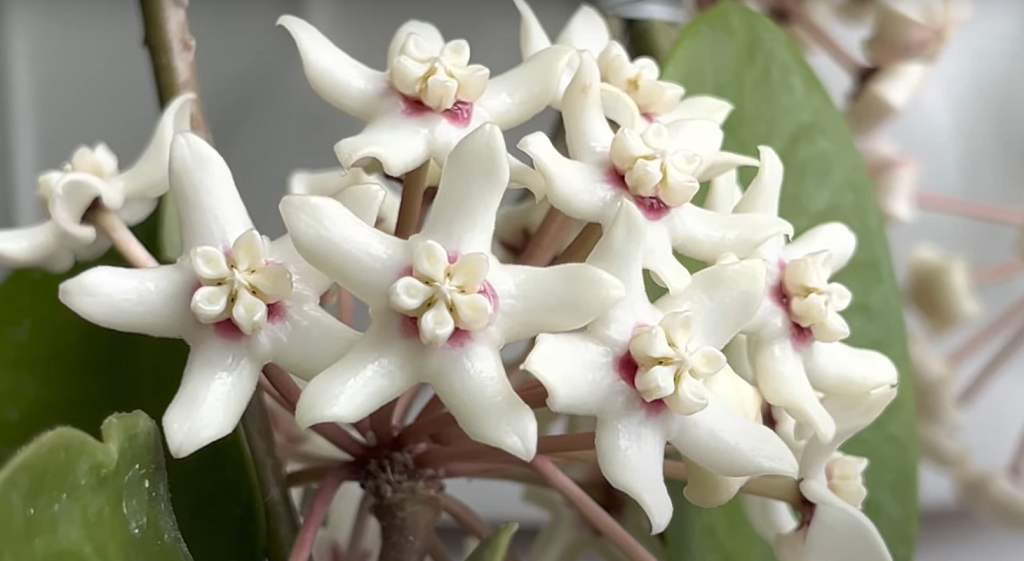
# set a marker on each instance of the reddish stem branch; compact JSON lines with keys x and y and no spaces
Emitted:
{"x":581,"y":246}
{"x":992,"y":367}
{"x":321,"y":502}
{"x":125,"y":242}
{"x":970,"y":209}
{"x":469,"y":520}
{"x":795,"y":14}
{"x":359,"y":528}
{"x":985,"y":336}
{"x":547,"y":241}
{"x":1002,"y":272}
{"x":346,"y":307}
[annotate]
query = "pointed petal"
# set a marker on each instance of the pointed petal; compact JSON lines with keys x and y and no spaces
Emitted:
{"x":699,"y":107}
{"x":586,"y":30}
{"x":472,"y":383}
{"x":44,"y":245}
{"x":575,"y":188}
{"x":587,"y":133}
{"x":631,"y":454}
{"x":325,"y":182}
{"x":339,"y":79}
{"x":708,"y":490}
{"x":332,"y":239}
{"x":470,"y":271}
{"x":835,"y":237}
{"x":209,"y":263}
{"x":309,"y":341}
{"x":73,"y":194}
{"x":428,"y":34}
{"x":364,"y":200}
{"x":838,"y":531}
{"x":660,"y":260}
{"x":532,"y":37}
{"x":577,"y":371}
{"x":148,"y":301}
{"x":717,"y":163}
{"x":851,"y":414}
{"x":762,"y":197}
{"x":768,"y":517}
{"x":781,"y":378}
{"x":727,"y":444}
{"x":473,"y":182}
{"x":247,"y":250}
{"x":305,"y":280}
{"x":700,"y":136}
{"x":516,"y":96}
{"x":210,"y":303}
{"x":533,"y":300}
{"x":400,"y":145}
{"x":377,"y":369}
{"x":616,"y":252}
{"x":620,"y":108}
{"x":839,"y":369}
{"x":430,"y":260}
{"x":147,"y":177}
{"x":218,"y":383}
{"x":210,"y":209}
{"x":707,"y":235}
{"x":723,"y":299}
{"x":723,"y":193}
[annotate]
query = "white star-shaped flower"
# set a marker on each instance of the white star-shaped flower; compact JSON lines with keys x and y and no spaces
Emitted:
{"x":596,"y":373}
{"x":939,"y":287}
{"x":792,"y":346}
{"x":658,"y":171}
{"x":428,"y":99}
{"x":895,"y":176}
{"x":237,"y":299}
{"x":441,"y":305}
{"x":92,"y":176}
{"x":831,"y":525}
{"x":913,"y":29}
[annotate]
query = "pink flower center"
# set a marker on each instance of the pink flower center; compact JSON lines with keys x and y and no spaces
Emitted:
{"x":651,"y":207}
{"x":627,"y":368}
{"x":799,"y":335}
{"x":459,"y":115}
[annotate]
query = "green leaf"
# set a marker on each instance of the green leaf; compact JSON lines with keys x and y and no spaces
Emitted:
{"x":735,"y":53}
{"x":68,"y":497}
{"x":57,"y":369}
{"x":495,"y":546}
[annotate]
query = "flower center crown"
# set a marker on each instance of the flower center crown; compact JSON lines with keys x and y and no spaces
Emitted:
{"x":98,"y":160}
{"x":639,"y":80}
{"x":443,"y":295}
{"x":813,"y":302}
{"x":652,"y":168}
{"x":671,"y":367}
{"x":240,"y":285}
{"x":438,"y":79}
{"x":846,"y":478}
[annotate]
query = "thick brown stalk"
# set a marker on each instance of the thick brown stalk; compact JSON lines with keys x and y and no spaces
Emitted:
{"x":406,"y":503}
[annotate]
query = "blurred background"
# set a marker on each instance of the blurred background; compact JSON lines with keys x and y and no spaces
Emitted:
{"x":74,"y":72}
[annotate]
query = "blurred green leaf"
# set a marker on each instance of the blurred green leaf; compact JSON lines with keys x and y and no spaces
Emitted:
{"x":57,"y":369}
{"x":68,"y":497}
{"x":735,"y":53}
{"x":495,"y":546}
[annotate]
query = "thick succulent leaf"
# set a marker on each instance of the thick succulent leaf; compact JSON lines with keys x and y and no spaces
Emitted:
{"x":495,"y":546}
{"x":57,"y":369}
{"x":68,"y":497}
{"x":735,"y":53}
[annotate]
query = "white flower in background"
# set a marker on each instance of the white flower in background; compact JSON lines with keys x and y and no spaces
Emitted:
{"x":938,"y":414}
{"x":895,"y":176}
{"x":238,"y":300}
{"x":994,"y":493}
{"x":428,"y":99}
{"x":441,"y":304}
{"x":884,"y":94}
{"x":939,"y":287}
{"x":830,"y":525}
{"x":596,"y":373}
{"x":656,"y":171}
{"x":792,"y":349}
{"x":92,"y":176}
{"x":913,"y":29}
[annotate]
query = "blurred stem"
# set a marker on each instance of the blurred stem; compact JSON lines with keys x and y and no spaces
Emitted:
{"x":172,"y":50}
{"x":651,"y":38}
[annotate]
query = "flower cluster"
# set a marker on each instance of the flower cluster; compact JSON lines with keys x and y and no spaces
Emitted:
{"x":741,"y":367}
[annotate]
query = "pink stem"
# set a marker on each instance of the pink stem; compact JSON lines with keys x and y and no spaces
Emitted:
{"x":1017,"y":463}
{"x":987,"y":372}
{"x":303,"y":547}
{"x":402,"y":406}
{"x":122,"y":237}
{"x":984,"y":337}
{"x":591,"y":511}
{"x":1002,"y":272}
{"x":970,"y":209}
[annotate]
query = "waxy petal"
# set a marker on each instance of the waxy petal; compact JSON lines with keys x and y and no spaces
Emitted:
{"x":723,"y":193}
{"x":620,"y":108}
{"x":309,"y":341}
{"x":248,"y":251}
{"x":436,"y":325}
{"x":210,"y":209}
{"x":700,"y":136}
{"x":659,"y":259}
{"x":273,"y":282}
{"x":566,"y":364}
{"x":762,"y":196}
{"x":209,"y":263}
{"x":44,"y":245}
{"x":575,"y":188}
{"x":690,"y":397}
{"x":588,"y":136}
{"x":210,"y":304}
{"x":839,"y":369}
{"x":473,"y":311}
{"x":780,"y":374}
{"x":472,"y":383}
{"x":150,"y":301}
{"x":307,"y":283}
{"x":706,"y":235}
{"x":408,"y":294}
{"x":430,"y":261}
{"x":470,"y":271}
{"x":73,"y":194}
{"x":707,"y":489}
{"x":335,"y":241}
{"x":147,"y":177}
{"x":399,"y":144}
{"x":586,"y":30}
{"x":427,"y":34}
{"x":532,"y":37}
{"x":516,"y":96}
{"x":473,"y":182}
{"x":851,"y":415}
{"x":838,"y":531}
{"x":339,"y":79}
{"x":615,"y":253}
{"x":835,"y":237}
{"x":249,"y":312}
{"x":699,"y":107}
{"x":218,"y":382}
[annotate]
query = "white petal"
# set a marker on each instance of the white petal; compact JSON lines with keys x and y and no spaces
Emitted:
{"x":588,"y":136}
{"x":44,"y":245}
{"x":839,"y":369}
{"x":723,"y":193}
{"x":472,"y":383}
{"x":426,"y":33}
{"x":835,"y":237}
{"x":656,"y":383}
{"x":659,"y":259}
{"x":470,"y":271}
{"x":408,"y":294}
{"x":730,"y":445}
{"x":249,"y":312}
{"x":690,"y":397}
{"x":210,"y":209}
{"x":305,"y":280}
{"x":631,"y":454}
{"x":780,"y":376}
{"x":339,"y":79}
{"x":586,"y":30}
{"x":218,"y":383}
{"x":833,"y":329}
{"x":579,"y":190}
{"x":534,"y":300}
{"x":473,"y":311}
{"x":147,"y":177}
{"x":248,"y":251}
{"x":150,"y":301}
{"x":516,"y":96}
{"x":650,"y":342}
{"x":273,"y":282}
{"x":377,"y":369}
{"x":840,"y":297}
{"x":722,"y":298}
{"x":616,"y":254}
{"x":363,"y":260}
{"x":620,"y":108}
{"x":73,"y":194}
{"x":210,"y":303}
{"x":708,"y":490}
{"x":436,"y":325}
{"x":700,"y":136}
{"x":399,"y":144}
{"x":430,"y":261}
{"x":851,"y":414}
{"x":577,"y":371}
{"x":532,"y":37}
{"x":209,"y":263}
{"x":325,"y":183}
{"x":309,"y":341}
{"x":473,"y":181}
{"x":768,"y":517}
{"x":707,"y":361}
{"x":706,"y":235}
{"x":699,"y":107}
{"x":762,"y":197}
{"x":886,"y":92}
{"x":838,"y":531}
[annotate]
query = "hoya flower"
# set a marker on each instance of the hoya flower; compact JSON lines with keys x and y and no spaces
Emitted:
{"x":912,"y":29}
{"x":637,"y":370}
{"x":429,"y":97}
{"x":441,"y":305}
{"x":793,"y":347}
{"x":92,"y":176}
{"x":237,"y":299}
{"x":658,"y":171}
{"x":940,"y":288}
{"x":938,"y":413}
{"x":831,"y":525}
{"x":884,"y":94}
{"x":995,"y":493}
{"x":895,"y":176}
